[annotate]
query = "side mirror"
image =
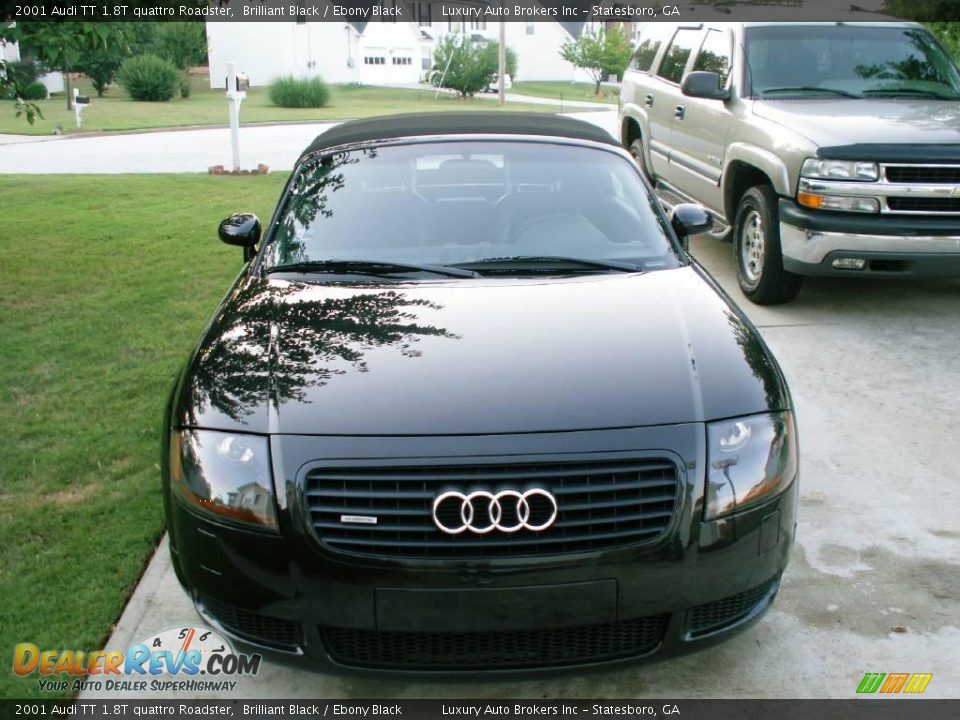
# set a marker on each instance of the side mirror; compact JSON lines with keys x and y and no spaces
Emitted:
{"x":702,"y":84}
{"x":689,"y":219}
{"x":241,"y":229}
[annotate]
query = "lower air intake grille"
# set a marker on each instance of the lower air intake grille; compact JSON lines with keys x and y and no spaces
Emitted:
{"x":257,"y":628}
{"x":494,"y":650}
{"x":924,"y":204}
{"x":600,"y":504}
{"x":720,"y":613}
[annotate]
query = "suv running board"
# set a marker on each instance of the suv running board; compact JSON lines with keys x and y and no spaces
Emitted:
{"x":670,"y":196}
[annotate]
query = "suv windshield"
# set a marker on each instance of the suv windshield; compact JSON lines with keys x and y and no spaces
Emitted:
{"x":848,"y":60}
{"x":454,"y":202}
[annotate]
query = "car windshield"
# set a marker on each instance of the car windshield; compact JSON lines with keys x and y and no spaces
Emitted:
{"x":848,"y":60}
{"x":444,"y":203}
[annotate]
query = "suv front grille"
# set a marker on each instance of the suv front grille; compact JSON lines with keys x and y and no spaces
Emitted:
{"x":923,"y":204}
{"x":453,"y":651}
{"x":601,"y":504}
{"x":933,"y":174}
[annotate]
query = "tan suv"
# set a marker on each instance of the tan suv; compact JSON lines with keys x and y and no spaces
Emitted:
{"x":818,"y":148}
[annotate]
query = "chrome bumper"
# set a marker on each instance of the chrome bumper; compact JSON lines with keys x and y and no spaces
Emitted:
{"x":811,"y":247}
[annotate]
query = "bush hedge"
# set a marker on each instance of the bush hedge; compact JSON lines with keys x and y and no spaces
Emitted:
{"x":295,"y":92}
{"x":148,"y":77}
{"x":34,"y":91}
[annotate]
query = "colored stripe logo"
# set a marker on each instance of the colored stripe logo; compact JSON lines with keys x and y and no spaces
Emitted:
{"x":894,"y":683}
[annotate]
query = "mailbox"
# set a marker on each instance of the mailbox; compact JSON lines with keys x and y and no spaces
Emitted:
{"x":243,"y":82}
{"x":81,"y":99}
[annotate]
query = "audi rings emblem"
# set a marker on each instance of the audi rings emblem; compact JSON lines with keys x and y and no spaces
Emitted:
{"x":481,"y":512}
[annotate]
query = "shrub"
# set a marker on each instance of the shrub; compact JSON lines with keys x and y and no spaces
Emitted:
{"x":147,"y":77}
{"x":23,"y":72}
{"x":34,"y":91}
{"x":470,"y":67}
{"x":184,"y":85}
{"x":294,"y":92}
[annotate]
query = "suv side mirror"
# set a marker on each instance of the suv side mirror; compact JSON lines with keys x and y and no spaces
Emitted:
{"x":689,"y":219}
{"x":241,"y":229}
{"x":703,"y":84}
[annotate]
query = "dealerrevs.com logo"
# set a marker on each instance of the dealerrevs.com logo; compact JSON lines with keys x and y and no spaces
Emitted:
{"x":171,"y":660}
{"x":894,"y":683}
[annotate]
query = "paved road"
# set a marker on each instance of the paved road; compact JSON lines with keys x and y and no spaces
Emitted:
{"x":873,"y":368}
{"x":277,"y":146}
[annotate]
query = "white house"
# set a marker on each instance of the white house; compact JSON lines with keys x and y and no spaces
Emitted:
{"x":10,"y":52}
{"x":377,"y":52}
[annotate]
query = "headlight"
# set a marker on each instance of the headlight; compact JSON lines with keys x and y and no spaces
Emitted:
{"x":225,"y":476}
{"x":749,"y":460}
{"x":840,"y":170}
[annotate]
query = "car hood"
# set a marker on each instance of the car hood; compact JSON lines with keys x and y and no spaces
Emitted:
{"x":476,"y":357}
{"x":845,"y":121}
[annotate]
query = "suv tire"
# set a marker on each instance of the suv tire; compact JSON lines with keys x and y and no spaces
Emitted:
{"x":756,"y":233}
{"x":636,"y":150}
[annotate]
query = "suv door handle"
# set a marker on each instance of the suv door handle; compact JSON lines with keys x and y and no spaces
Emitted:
{"x":679,"y":111}
{"x":648,"y":101}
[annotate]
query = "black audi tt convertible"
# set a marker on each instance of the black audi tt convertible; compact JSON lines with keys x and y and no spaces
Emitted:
{"x":470,"y":406}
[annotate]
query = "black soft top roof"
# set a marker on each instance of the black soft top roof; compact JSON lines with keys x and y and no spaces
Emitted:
{"x":457,"y":123}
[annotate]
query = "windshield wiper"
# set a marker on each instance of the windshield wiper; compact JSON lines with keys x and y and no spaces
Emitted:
{"x":369,"y":267}
{"x":911,"y":92}
{"x":808,"y":88}
{"x":557,"y":261}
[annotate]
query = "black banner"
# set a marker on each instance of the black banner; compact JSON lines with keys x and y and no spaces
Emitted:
{"x":865,"y":709}
{"x":476,"y":10}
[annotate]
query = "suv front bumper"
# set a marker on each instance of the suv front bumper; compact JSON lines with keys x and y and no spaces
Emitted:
{"x":893,"y":246}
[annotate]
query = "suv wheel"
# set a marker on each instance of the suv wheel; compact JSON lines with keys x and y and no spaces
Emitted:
{"x":756,"y":230}
{"x":636,"y":150}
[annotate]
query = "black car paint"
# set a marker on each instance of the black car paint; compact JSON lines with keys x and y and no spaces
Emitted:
{"x":559,"y":368}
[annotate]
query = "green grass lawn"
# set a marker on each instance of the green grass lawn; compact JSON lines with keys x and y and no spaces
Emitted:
{"x":105,"y":284}
{"x":116,"y":111}
{"x":567,"y":90}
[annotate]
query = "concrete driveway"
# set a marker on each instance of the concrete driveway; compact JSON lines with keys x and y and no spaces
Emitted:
{"x":874,"y":582}
{"x":193,"y":150}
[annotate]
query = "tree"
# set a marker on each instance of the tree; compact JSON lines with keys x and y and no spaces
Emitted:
{"x":9,"y":86}
{"x":467,"y":66}
{"x":101,"y":66}
{"x":60,"y":45}
{"x":182,"y":43}
{"x":601,"y":53}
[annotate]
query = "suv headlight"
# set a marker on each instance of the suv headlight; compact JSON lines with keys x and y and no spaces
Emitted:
{"x":749,"y":460}
{"x":850,"y":170}
{"x":225,"y":476}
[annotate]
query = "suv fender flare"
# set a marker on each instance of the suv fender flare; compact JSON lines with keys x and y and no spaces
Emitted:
{"x":763,"y":160}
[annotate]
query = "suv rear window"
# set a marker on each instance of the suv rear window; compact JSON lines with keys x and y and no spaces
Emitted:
{"x":674,"y":62}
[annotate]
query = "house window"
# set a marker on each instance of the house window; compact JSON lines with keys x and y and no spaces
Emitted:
{"x":530,"y":28}
{"x":402,"y":61}
{"x":374,"y":60}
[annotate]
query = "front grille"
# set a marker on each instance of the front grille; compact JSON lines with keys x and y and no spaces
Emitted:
{"x":452,"y":651}
{"x":924,"y":204}
{"x":601,"y":504}
{"x":720,"y":613}
{"x":262,"y":629}
{"x":923,"y":174}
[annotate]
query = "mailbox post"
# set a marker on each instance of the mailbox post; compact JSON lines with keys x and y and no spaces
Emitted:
{"x":237,"y":85}
{"x":80,"y":103}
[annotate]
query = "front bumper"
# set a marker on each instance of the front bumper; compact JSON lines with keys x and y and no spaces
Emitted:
{"x":908,"y":246}
{"x":289,"y":594}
